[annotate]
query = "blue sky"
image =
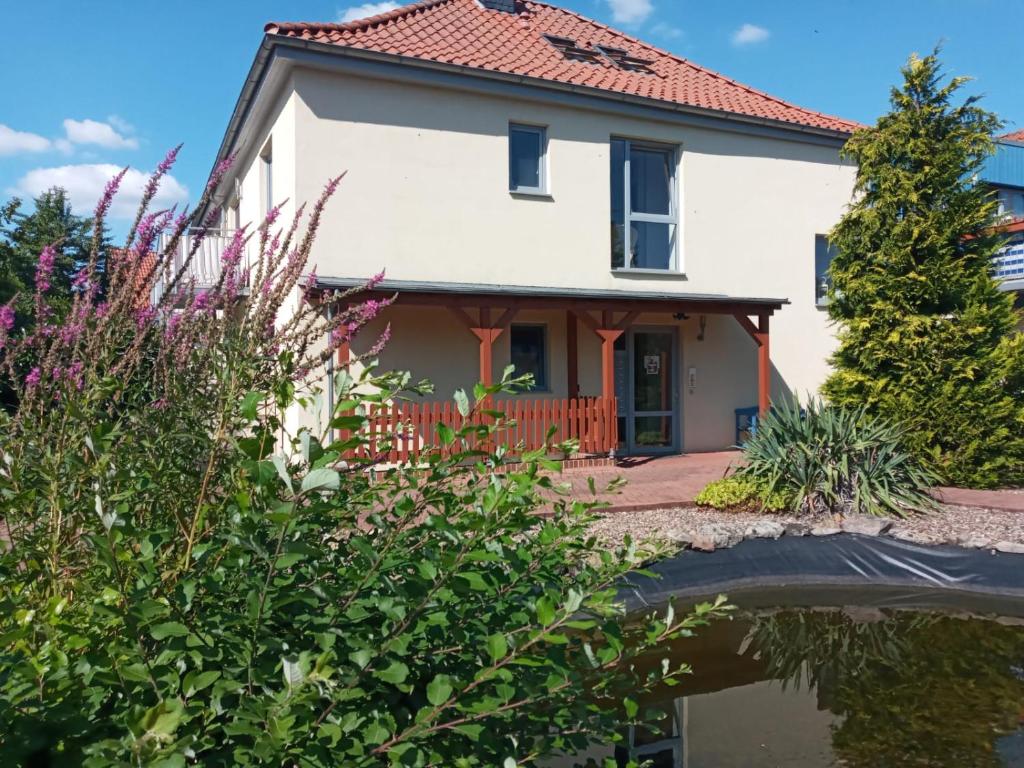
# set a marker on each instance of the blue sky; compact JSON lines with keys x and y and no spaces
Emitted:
{"x":93,"y":85}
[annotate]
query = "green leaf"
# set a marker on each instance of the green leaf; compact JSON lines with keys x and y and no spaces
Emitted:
{"x":497,"y":646}
{"x":322,"y":479}
{"x":195,"y":682}
{"x":168,"y":629}
{"x":461,"y":402}
{"x":446,"y":434}
{"x":395,"y":673}
{"x":439,"y":689}
{"x":361,"y":657}
{"x":545,"y":611}
{"x":249,"y":405}
{"x":162,"y":719}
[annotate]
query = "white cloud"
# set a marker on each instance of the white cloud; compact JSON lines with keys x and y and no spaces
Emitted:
{"x":661,"y":29}
{"x":365,"y":10}
{"x":14,"y":142}
{"x":120,"y":124}
{"x":749,"y":34}
{"x":85,"y":182}
{"x":630,"y":11}
{"x":95,"y":132}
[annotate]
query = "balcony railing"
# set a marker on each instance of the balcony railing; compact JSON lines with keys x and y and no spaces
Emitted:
{"x":1008,"y":264}
{"x":205,"y":266}
{"x":396,"y":433}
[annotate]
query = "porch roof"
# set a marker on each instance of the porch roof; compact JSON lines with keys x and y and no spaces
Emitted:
{"x":427,"y":293}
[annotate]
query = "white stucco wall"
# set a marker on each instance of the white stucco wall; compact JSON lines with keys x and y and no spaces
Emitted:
{"x":426,"y":198}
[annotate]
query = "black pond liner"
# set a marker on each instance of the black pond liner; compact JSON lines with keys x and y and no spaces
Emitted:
{"x":842,"y":569}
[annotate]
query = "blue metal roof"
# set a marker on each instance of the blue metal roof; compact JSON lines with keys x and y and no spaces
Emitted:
{"x":1006,"y":167}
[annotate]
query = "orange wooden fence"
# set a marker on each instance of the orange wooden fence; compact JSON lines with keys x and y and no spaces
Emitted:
{"x":401,"y":432}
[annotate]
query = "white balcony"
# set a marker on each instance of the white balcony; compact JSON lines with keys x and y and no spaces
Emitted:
{"x":1008,"y":264}
{"x":205,"y":266}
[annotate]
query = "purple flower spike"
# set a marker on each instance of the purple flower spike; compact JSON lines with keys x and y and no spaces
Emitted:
{"x":6,"y":316}
{"x":33,"y":378}
{"x":44,"y":268}
{"x":219,"y":170}
{"x":108,"y":195}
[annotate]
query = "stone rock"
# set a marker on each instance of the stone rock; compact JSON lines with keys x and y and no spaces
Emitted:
{"x":1012,"y":547}
{"x":865,"y":614}
{"x":915,"y":537}
{"x":866,"y":525}
{"x":708,"y":538}
{"x":764,"y":529}
{"x":797,"y":529}
{"x":974,"y":542}
{"x":825,"y":530}
{"x":677,"y":536}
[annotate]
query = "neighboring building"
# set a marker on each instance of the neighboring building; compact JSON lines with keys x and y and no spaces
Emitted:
{"x":1004,"y":172}
{"x":547,"y":191}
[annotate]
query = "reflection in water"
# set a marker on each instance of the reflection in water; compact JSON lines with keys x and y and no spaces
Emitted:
{"x":859,"y":688}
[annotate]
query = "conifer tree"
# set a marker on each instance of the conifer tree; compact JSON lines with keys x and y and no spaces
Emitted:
{"x":925,"y":335}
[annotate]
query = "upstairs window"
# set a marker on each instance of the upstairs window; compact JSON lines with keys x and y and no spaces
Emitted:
{"x":267,"y":177}
{"x":1011,"y":203}
{"x":529,"y":345}
{"x":824,"y":252}
{"x":643,"y":206}
{"x":527,"y":148}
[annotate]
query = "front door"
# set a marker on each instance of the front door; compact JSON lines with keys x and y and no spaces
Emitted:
{"x":648,"y":402}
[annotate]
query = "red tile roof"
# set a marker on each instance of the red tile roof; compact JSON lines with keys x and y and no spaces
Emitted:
{"x":1015,"y":136}
{"x":462,"y":32}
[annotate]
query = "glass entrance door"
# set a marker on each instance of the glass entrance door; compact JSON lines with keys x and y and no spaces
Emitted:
{"x":648,"y":407}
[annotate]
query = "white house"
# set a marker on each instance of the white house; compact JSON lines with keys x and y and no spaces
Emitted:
{"x":541,"y":189}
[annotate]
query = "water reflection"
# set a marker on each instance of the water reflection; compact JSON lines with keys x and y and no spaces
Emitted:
{"x":858,"y":688}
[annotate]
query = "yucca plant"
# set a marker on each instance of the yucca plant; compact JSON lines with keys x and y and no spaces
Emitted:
{"x":838,"y":460}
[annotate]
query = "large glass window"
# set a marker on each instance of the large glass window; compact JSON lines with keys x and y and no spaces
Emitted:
{"x":529,"y":352}
{"x":1011,"y":202}
{"x":824,"y":252}
{"x":267,"y":178}
{"x":643,"y":206}
{"x":526,"y":149}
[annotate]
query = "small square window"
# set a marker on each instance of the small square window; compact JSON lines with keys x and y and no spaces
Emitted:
{"x":824,"y":252}
{"x":529,"y":345}
{"x":527,"y":147}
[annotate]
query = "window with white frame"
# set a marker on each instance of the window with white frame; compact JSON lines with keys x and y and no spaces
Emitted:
{"x":824,"y":252}
{"x":267,"y":177}
{"x":1011,"y":202}
{"x":645,"y":212}
{"x":529,"y":352}
{"x":527,"y":159}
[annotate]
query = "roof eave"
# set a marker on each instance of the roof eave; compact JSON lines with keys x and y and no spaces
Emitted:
{"x":265,"y":53}
{"x":553,"y":293}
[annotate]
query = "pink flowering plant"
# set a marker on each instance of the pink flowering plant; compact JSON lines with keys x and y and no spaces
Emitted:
{"x":185,"y":581}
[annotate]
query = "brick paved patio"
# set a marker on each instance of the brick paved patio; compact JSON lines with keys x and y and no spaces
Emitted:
{"x":670,"y":481}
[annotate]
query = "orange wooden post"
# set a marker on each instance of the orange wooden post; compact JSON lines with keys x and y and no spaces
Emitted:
{"x":608,"y":337}
{"x":763,"y":366}
{"x":759,"y":333}
{"x":487,"y":337}
{"x":572,"y":356}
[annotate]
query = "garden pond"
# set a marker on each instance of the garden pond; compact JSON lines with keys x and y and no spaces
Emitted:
{"x":894,"y":681}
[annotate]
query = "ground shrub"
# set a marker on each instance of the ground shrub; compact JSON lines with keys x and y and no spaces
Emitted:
{"x":184,"y":581}
{"x":739,"y":493}
{"x":830,"y":459}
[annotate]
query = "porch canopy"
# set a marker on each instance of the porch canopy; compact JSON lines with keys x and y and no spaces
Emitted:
{"x":487,"y":310}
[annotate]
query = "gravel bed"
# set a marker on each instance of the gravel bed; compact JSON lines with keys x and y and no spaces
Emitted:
{"x":966,"y":526}
{"x":957,"y":524}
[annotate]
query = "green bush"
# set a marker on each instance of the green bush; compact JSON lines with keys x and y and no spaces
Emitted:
{"x":837,"y":460}
{"x":926,"y":336}
{"x":185,"y":582}
{"x":739,"y":493}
